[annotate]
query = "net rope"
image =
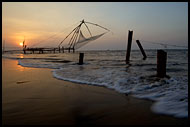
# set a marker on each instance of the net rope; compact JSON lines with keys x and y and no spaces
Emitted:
{"x":161,"y":44}
{"x":83,"y":41}
{"x":53,"y":36}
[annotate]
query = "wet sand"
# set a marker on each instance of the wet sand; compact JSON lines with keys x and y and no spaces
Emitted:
{"x":31,"y":96}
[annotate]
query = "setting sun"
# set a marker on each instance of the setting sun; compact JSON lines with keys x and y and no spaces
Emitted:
{"x":21,"y":44}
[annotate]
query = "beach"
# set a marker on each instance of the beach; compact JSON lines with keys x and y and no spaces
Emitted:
{"x":32,"y":96}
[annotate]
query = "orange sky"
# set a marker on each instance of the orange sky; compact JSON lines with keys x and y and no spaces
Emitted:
{"x":37,"y":21}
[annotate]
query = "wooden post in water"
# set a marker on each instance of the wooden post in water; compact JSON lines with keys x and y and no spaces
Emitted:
{"x":81,"y":56}
{"x":161,"y":63}
{"x":59,"y":49}
{"x":24,"y":49}
{"x":69,"y":49}
{"x":63,"y":49}
{"x":4,"y":46}
{"x":73,"y":49}
{"x":142,"y":50}
{"x":130,"y":35}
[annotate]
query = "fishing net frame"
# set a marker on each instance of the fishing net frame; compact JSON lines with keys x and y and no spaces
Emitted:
{"x":77,"y":39}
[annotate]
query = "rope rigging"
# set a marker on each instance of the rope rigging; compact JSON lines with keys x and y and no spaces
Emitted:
{"x":77,"y":39}
{"x":52,"y":36}
{"x":162,"y":44}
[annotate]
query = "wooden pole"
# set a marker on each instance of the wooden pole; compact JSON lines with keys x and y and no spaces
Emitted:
{"x":81,"y":56}
{"x":69,"y":49}
{"x":59,"y":49}
{"x":3,"y":46}
{"x":161,"y":63}
{"x":141,"y":48}
{"x":130,"y":35}
{"x":63,"y":49}
{"x":24,"y":49}
{"x":73,"y":49}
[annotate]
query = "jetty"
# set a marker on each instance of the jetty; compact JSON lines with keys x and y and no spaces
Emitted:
{"x":47,"y":50}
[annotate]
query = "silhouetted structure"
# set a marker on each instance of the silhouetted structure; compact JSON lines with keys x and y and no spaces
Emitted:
{"x":76,"y":41}
{"x":142,"y":50}
{"x":81,"y":56}
{"x":130,"y":36}
{"x":161,"y":63}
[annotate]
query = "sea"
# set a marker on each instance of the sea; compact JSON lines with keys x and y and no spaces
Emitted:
{"x":109,"y":69}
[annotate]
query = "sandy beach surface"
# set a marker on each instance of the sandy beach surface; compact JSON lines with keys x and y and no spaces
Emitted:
{"x":31,"y":96}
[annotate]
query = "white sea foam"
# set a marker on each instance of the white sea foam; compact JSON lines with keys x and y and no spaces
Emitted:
{"x":167,"y":93}
{"x":35,"y":64}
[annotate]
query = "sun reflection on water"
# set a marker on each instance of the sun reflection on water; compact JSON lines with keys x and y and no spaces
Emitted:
{"x":21,"y":56}
{"x":20,"y":68}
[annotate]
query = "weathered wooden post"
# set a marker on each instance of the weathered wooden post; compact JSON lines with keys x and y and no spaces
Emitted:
{"x":142,"y":50}
{"x":69,"y":49}
{"x":24,"y":49}
{"x":73,"y":49}
{"x":54,"y":50}
{"x":59,"y":49}
{"x":130,"y":35}
{"x":63,"y":49}
{"x":81,"y":56}
{"x":161,"y":63}
{"x":4,"y":46}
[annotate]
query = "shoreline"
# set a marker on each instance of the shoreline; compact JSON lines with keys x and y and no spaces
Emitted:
{"x":32,"y":96}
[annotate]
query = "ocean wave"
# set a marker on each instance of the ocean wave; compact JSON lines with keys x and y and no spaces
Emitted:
{"x":166,"y":92}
